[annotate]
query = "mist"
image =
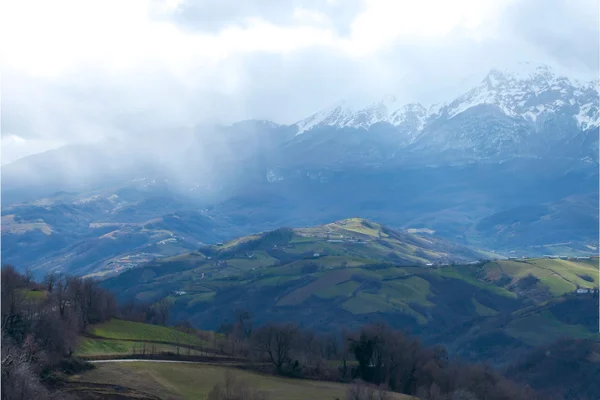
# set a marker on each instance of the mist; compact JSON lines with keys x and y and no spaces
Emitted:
{"x":151,"y":95}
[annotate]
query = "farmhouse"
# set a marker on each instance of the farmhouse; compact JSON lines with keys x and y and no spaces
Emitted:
{"x":582,"y":291}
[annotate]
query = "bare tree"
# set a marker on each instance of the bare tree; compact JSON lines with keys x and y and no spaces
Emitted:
{"x":19,"y":380}
{"x":276,"y":342}
{"x":28,"y":276}
{"x":49,"y":281}
{"x":12,"y":281}
{"x":61,"y":294}
{"x":244,"y":323}
{"x":162,"y":308}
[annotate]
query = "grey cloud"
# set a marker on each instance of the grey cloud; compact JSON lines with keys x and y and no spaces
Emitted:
{"x":566,"y":30}
{"x":209,"y":15}
{"x":286,"y":88}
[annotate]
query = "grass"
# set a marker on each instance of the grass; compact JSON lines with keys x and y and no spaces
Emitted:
{"x":543,"y":328}
{"x":201,"y":298}
{"x":340,"y":290}
{"x":456,"y":273}
{"x":36,"y":295}
{"x":89,"y":347}
{"x":412,"y":289}
{"x":483,"y":310}
{"x":327,"y":280}
{"x":127,"y":330}
{"x":194,"y":381}
{"x":560,"y":276}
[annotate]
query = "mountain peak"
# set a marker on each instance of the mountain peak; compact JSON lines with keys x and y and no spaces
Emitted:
{"x":337,"y":114}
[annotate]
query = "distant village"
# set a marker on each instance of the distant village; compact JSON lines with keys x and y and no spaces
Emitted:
{"x":552,"y":257}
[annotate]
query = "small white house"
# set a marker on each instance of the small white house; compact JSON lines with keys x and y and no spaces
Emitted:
{"x":316,"y":255}
{"x":582,"y":291}
{"x":429,"y":265}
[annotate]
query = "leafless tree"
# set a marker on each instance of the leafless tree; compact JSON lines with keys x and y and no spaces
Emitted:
{"x":49,"y":281}
{"x":276,"y":343}
{"x":19,"y":380}
{"x":61,"y":294}
{"x":162,"y":308}
{"x":12,"y":281}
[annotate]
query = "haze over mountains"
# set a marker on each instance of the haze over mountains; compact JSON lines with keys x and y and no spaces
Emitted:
{"x":510,"y":165}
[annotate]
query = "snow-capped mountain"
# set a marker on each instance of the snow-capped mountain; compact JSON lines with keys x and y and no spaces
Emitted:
{"x":389,"y":110}
{"x":527,"y":110}
{"x":530,"y":92}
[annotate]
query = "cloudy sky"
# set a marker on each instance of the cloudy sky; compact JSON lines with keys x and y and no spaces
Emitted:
{"x":87,"y":70}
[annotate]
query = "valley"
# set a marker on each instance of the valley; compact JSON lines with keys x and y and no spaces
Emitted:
{"x":509,"y":165}
{"x":419,"y":247}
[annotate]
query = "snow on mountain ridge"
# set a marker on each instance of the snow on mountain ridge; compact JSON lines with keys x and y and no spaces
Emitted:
{"x":523,"y":91}
{"x":337,"y":115}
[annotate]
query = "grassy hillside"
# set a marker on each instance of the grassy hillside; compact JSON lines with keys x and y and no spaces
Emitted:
{"x":128,"y":330}
{"x":118,"y":337}
{"x":350,"y":272}
{"x":194,"y":381}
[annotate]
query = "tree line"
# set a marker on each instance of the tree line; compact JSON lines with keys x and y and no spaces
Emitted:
{"x":376,"y":355}
{"x":42,"y":321}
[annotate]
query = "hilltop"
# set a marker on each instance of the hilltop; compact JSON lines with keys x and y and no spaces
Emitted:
{"x":346,"y":273}
{"x":353,"y":237}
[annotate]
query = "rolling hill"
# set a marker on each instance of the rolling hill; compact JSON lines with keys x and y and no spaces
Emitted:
{"x":353,"y":271}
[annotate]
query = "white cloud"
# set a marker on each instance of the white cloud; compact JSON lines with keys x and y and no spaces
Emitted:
{"x":84,"y":70}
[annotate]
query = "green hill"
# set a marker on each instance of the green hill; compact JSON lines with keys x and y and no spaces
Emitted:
{"x":119,"y":337}
{"x":344,"y":274}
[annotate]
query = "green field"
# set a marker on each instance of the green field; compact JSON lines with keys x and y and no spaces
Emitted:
{"x":34,"y":295}
{"x":560,"y":276}
{"x":194,"y":381}
{"x":137,"y":331}
{"x":543,"y":328}
{"x":89,"y":347}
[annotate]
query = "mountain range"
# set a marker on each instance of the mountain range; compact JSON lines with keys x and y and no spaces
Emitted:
{"x":510,"y":165}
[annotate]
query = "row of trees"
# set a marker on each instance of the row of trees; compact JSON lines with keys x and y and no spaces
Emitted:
{"x":375,"y":354}
{"x":41,"y":323}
